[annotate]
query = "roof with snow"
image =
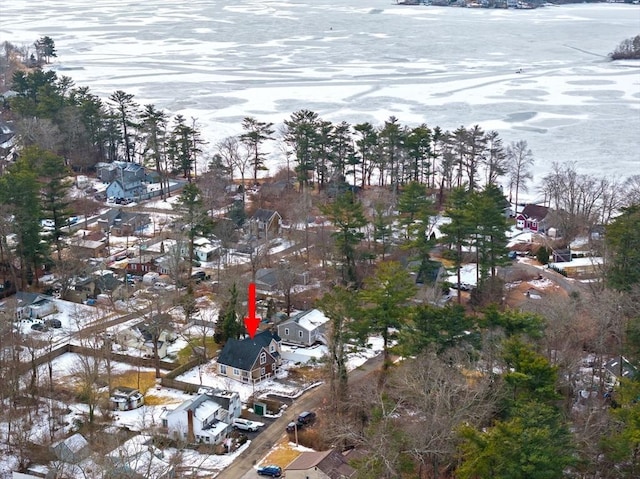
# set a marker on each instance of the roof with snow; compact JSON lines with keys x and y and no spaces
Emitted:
{"x":309,"y":320}
{"x":536,"y":212}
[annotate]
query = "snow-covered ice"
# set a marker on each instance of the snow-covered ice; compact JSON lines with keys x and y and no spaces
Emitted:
{"x":218,"y":62}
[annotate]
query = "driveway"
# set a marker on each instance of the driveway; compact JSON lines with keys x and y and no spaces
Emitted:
{"x":244,"y":466}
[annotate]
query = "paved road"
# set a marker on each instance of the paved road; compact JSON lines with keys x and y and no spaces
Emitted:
{"x":244,"y":466}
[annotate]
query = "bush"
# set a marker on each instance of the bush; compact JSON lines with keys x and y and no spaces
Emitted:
{"x":629,"y":49}
{"x":542,"y":255}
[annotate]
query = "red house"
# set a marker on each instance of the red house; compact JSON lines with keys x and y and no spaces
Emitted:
{"x":532,"y":217}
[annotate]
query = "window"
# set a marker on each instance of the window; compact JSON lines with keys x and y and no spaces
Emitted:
{"x":236,"y":372}
{"x":299,"y":334}
{"x":165,"y":423}
{"x":272,"y":348}
{"x":286,"y":331}
{"x":263,"y":371}
{"x":223,"y":369}
{"x":263,"y":358}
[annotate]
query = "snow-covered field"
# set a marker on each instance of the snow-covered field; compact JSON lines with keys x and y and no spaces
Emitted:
{"x":220,"y":61}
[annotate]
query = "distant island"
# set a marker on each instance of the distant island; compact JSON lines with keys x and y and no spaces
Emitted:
{"x":629,"y":49}
{"x":516,"y":4}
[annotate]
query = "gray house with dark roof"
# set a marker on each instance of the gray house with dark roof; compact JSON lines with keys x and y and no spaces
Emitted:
{"x":250,"y":360}
{"x":265,"y":223}
{"x":122,"y":223}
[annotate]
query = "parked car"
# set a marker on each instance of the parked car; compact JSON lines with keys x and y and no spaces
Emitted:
{"x":273,"y":471}
{"x":291,"y":427}
{"x":53,"y":323}
{"x":199,"y":276}
{"x":307,"y":417}
{"x":245,"y":424}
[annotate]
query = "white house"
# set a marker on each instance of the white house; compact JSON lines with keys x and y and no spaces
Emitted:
{"x":138,"y":458}
{"x":205,"y":418}
{"x":140,"y":339}
{"x":30,"y":305}
{"x":305,"y":329}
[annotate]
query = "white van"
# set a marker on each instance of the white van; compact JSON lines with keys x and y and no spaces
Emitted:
{"x":246,"y":425}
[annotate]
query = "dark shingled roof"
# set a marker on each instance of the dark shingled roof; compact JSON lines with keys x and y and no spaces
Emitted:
{"x":264,"y":215}
{"x":242,"y":354}
{"x":536,"y":212}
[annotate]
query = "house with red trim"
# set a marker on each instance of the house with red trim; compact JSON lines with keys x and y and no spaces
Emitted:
{"x":251,"y":360}
{"x":533,"y":218}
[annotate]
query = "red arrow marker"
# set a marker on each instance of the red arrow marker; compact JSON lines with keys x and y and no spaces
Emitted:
{"x":251,"y":322}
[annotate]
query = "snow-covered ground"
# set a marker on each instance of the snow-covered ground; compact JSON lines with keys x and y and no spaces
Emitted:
{"x":218,"y":62}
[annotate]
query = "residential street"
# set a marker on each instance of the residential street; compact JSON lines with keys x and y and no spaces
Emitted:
{"x":244,"y":466}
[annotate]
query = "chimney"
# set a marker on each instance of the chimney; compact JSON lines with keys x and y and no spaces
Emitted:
{"x":190,"y":434}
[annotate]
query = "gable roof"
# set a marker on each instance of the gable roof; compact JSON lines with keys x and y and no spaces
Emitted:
{"x":25,"y":298}
{"x":536,"y":212}
{"x":74,"y":444}
{"x":264,"y":215}
{"x":130,"y":185}
{"x":332,"y":463}
{"x":309,"y":320}
{"x":267,"y":276}
{"x":242,"y":354}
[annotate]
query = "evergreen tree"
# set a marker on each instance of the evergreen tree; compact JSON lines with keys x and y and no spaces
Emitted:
{"x":347,"y":215}
{"x":301,"y":132}
{"x":366,"y":143}
{"x":486,"y":210}
{"x":414,"y":208}
{"x":229,"y":325}
{"x":382,"y":230}
{"x":433,"y":327}
{"x":55,"y":204}
{"x":459,"y":230}
{"x":534,"y":443}
{"x":154,"y":125}
{"x":194,"y":217}
{"x":46,"y":48}
{"x":19,"y":189}
{"x":339,"y":305}
{"x":126,"y":110}
{"x":418,"y":144}
{"x":385,"y":299}
{"x":256,"y":133}
{"x":623,"y":239}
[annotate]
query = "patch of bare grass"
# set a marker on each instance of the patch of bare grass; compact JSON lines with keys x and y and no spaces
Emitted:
{"x":281,"y":455}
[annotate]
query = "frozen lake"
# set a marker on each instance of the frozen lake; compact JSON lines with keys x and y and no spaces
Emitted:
{"x":219,"y":61}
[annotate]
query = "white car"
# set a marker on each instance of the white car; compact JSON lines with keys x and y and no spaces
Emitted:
{"x":246,"y":425}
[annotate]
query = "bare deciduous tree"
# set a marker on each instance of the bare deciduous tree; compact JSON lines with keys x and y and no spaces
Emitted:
{"x":520,"y":161}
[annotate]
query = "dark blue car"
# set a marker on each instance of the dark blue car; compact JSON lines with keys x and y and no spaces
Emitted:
{"x":273,"y":471}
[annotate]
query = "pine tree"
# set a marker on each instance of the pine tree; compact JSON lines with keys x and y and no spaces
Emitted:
{"x":229,"y":325}
{"x":623,"y":239}
{"x":347,"y":215}
{"x":256,"y":133}
{"x":459,"y":231}
{"x":385,"y":299}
